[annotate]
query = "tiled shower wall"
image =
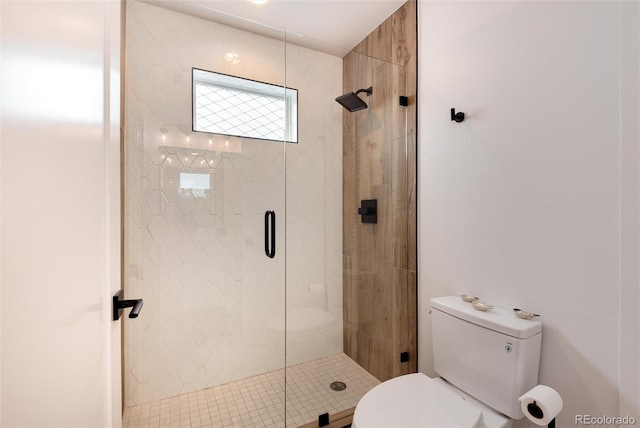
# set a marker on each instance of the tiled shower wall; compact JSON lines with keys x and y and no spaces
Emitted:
{"x":380,"y":288}
{"x":214,"y":305}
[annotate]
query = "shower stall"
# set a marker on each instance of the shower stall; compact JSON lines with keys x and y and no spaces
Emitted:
{"x":241,"y":230}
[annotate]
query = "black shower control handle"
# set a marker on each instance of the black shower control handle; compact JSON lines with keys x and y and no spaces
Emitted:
{"x":368,"y":211}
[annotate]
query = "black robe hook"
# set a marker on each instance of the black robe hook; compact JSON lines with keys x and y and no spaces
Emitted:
{"x":458,"y":117}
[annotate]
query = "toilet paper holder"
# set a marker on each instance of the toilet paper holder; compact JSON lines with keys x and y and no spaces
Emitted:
{"x":541,"y":405}
{"x":536,"y":412}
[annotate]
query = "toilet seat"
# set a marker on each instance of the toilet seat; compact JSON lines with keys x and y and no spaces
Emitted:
{"x":415,"y":400}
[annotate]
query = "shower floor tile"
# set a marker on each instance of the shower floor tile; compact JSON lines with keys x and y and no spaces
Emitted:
{"x":258,"y":401}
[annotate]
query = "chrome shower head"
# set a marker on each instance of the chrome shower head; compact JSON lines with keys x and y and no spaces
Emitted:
{"x":352,"y":101}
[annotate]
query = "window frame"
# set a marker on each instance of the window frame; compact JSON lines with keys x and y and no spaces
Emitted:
{"x":291,"y":108}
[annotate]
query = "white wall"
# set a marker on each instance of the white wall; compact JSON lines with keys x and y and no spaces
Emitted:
{"x":60,"y":219}
{"x":532,"y":201}
{"x":214,"y":304}
{"x":630,"y":209}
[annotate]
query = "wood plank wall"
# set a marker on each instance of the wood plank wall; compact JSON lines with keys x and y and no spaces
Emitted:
{"x":379,"y":162}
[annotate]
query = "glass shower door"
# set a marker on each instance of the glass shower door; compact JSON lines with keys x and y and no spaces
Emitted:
{"x":199,"y":246}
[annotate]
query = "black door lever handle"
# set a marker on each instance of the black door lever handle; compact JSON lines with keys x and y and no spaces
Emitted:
{"x":119,"y":305}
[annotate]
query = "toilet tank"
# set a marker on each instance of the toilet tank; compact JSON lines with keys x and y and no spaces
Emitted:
{"x":493,"y":356}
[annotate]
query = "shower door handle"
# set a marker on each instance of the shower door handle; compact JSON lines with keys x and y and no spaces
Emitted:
{"x":270,"y":234}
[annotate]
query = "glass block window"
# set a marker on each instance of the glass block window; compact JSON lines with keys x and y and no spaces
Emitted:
{"x":230,"y":105}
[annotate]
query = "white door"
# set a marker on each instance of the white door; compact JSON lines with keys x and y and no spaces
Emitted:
{"x":59,"y":213}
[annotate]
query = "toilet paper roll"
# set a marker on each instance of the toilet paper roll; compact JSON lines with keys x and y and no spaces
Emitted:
{"x":541,"y":404}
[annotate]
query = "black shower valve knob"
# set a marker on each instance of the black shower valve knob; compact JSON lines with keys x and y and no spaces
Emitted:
{"x":368,"y":211}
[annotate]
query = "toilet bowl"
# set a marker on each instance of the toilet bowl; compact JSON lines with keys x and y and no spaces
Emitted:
{"x":416,"y":400}
{"x":485,"y":360}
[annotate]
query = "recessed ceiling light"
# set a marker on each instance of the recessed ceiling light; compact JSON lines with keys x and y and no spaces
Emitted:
{"x":258,"y":1}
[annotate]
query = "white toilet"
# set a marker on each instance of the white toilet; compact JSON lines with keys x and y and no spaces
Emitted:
{"x":485,"y":360}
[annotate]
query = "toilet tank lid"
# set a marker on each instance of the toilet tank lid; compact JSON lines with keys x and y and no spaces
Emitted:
{"x":497,"y":319}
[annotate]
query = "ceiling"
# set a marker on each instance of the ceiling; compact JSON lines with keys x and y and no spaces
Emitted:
{"x":331,"y":26}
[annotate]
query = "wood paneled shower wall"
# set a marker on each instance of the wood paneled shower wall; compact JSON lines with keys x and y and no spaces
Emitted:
{"x":379,"y":162}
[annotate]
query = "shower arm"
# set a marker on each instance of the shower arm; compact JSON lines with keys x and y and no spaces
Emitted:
{"x":369,"y":91}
